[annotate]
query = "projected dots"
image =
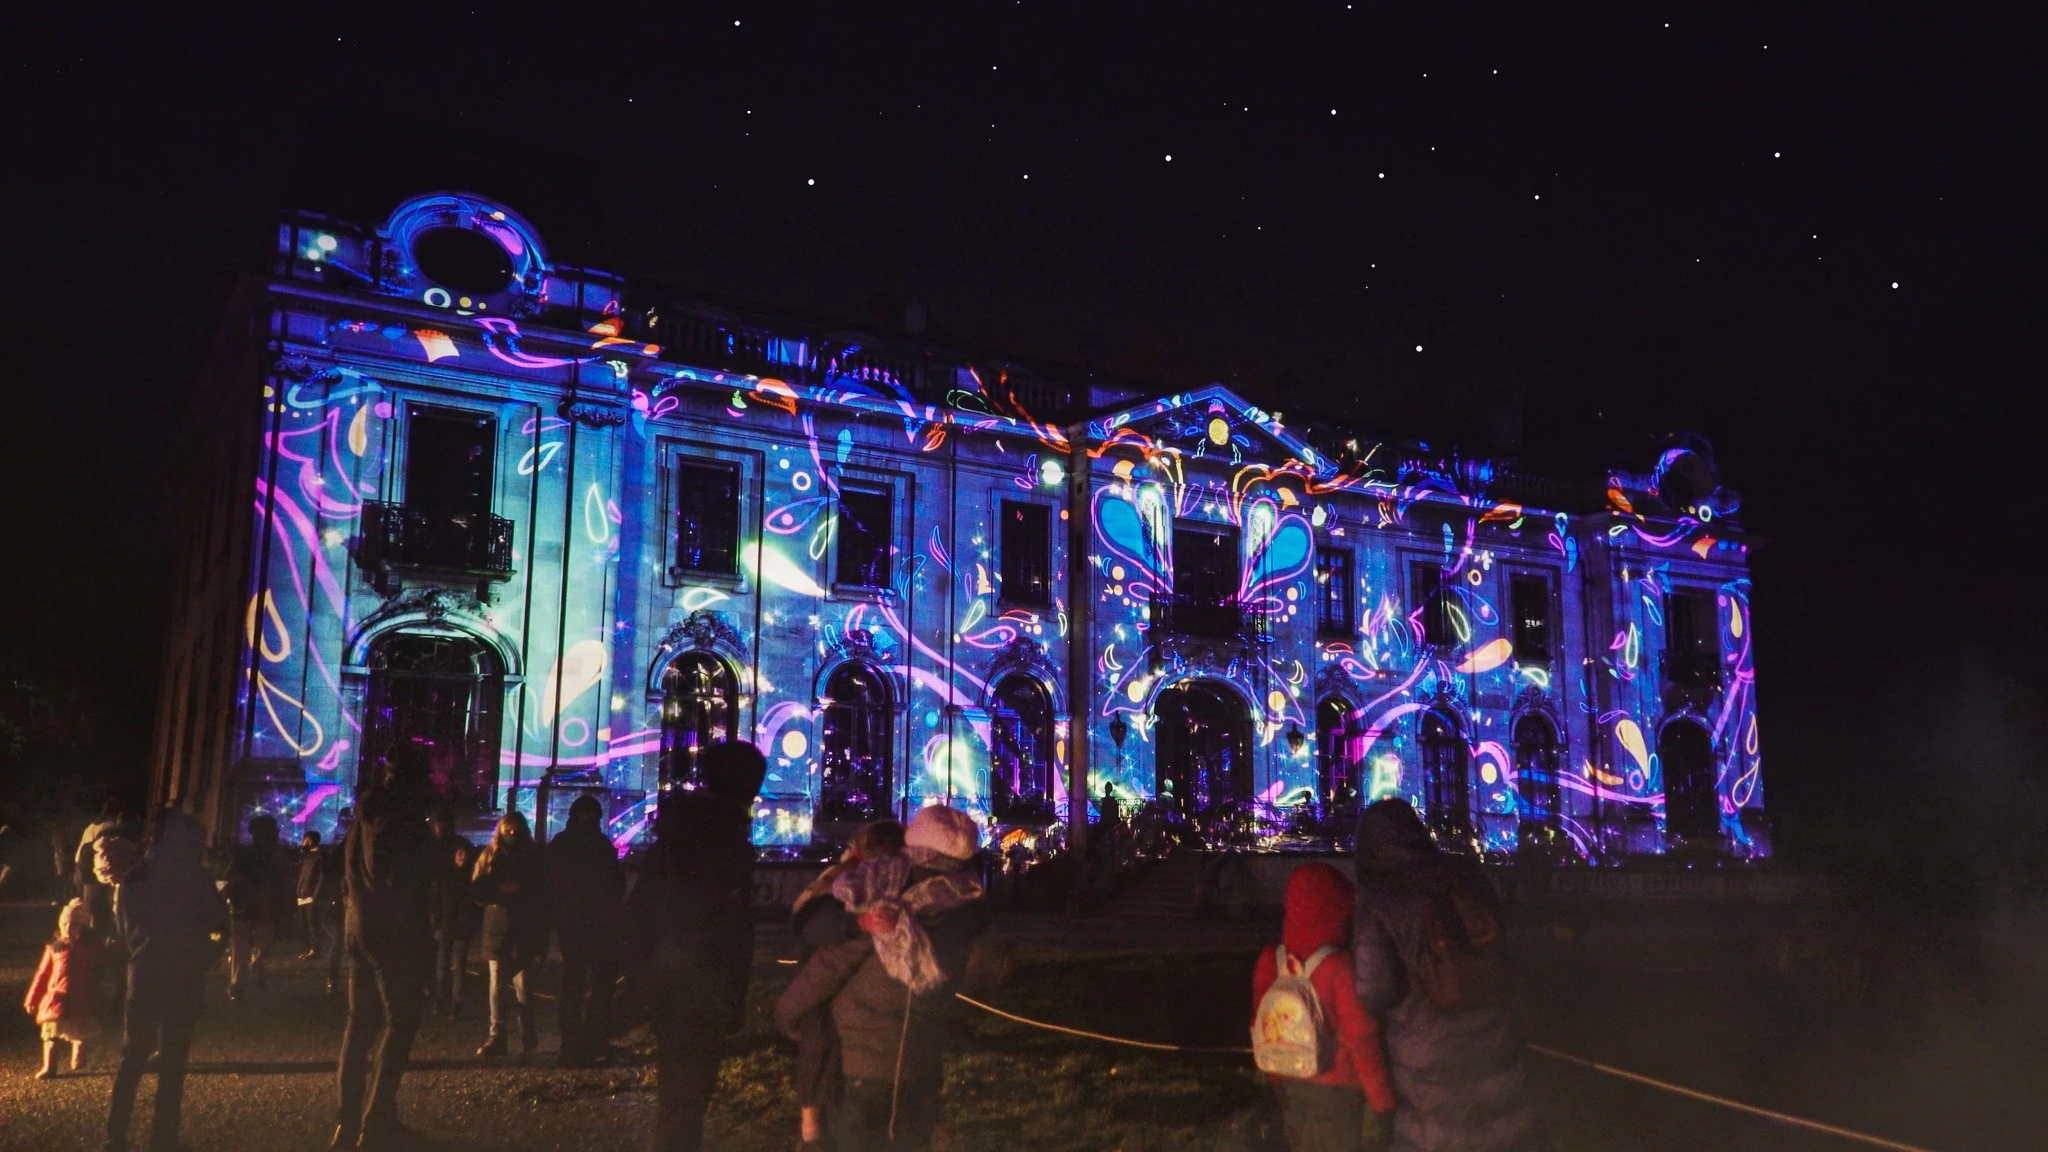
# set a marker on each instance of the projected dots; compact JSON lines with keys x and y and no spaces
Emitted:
{"x":801,"y":481}
{"x":795,"y":744}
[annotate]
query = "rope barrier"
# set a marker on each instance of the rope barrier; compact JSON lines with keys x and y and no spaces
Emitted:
{"x":1632,"y":1077}
{"x":1737,"y":1105}
{"x":1147,"y":1044}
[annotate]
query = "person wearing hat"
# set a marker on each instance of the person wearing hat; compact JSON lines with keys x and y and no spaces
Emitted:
{"x":891,"y":989}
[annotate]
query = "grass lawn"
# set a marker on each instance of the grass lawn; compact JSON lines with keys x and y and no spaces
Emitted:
{"x":1020,"y":1087}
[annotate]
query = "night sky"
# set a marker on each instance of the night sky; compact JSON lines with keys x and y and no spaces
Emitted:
{"x":1813,"y":234}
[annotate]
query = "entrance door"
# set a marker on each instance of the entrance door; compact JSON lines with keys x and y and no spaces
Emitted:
{"x":1204,"y":735}
{"x":438,"y":698}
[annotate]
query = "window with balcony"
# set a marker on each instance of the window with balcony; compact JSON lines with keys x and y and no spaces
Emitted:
{"x":1205,"y":582}
{"x":866,"y":536}
{"x":707,"y":517}
{"x":1529,"y":604}
{"x":1025,"y":544}
{"x":445,"y":520}
{"x":1334,"y":592}
{"x":450,"y":460}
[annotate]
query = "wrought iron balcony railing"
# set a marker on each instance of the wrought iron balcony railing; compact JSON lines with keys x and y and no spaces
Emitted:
{"x":1206,"y":619}
{"x":394,"y":535}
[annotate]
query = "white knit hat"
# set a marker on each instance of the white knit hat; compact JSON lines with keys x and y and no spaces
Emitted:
{"x":947,"y":831}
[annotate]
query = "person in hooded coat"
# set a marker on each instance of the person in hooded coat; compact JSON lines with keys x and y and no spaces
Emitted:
{"x":387,"y":868}
{"x":1459,"y":1076}
{"x":1334,"y":1111}
{"x":689,"y":946}
{"x":589,"y":891}
{"x":921,"y":922}
{"x":167,"y":912}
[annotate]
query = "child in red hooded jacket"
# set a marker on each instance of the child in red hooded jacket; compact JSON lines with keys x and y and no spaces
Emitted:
{"x":1345,"y":1108}
{"x":69,"y":989}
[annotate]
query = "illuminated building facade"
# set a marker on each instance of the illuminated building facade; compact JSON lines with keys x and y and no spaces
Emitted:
{"x":557,"y":531}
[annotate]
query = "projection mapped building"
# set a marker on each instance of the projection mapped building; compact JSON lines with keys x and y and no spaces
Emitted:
{"x":558,"y":531}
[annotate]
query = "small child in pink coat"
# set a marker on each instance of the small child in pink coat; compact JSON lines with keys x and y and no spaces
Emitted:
{"x":69,"y":989}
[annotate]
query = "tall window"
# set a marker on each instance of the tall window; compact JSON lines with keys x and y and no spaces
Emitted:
{"x":1435,"y":602}
{"x":856,"y":760}
{"x":1334,"y":591}
{"x":1020,"y":761}
{"x":699,"y":698}
{"x":1529,"y":602}
{"x":1026,"y":546}
{"x":1536,"y":774}
{"x":1205,"y":581}
{"x":707,"y":517}
{"x":1336,"y":778}
{"x":450,"y":460}
{"x":1446,"y":778}
{"x":866,"y":536}
{"x":1692,"y":639}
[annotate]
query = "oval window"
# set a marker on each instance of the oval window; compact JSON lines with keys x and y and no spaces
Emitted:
{"x":463,"y":261}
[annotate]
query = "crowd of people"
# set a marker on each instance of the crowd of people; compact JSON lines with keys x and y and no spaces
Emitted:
{"x":1380,"y":1015}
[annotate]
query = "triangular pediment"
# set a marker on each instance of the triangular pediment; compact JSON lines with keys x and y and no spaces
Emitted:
{"x":1211,"y":423}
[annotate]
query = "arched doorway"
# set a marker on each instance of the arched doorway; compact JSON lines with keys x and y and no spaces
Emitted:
{"x":856,"y":762}
{"x":1536,"y":786}
{"x":1691,"y":810}
{"x":699,"y":708}
{"x":1446,"y":777}
{"x":1336,"y":776}
{"x":441,"y":695}
{"x":1020,"y":753}
{"x":1203,"y":735}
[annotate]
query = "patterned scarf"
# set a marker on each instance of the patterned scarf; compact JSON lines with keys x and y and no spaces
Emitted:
{"x":884,"y":883}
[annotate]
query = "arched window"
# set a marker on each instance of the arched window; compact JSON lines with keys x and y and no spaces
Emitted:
{"x":1691,"y":810}
{"x":1020,"y":758}
{"x":441,"y":695}
{"x":1336,"y":776}
{"x":699,"y":707}
{"x":856,"y":766}
{"x":1446,"y":778}
{"x":1536,"y":777}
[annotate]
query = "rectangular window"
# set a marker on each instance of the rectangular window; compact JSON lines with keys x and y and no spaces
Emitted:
{"x":707,"y":517}
{"x":1529,"y":602}
{"x":450,"y":460}
{"x":1426,"y":595}
{"x":1334,"y":592}
{"x":866,"y":536}
{"x":1026,"y":545}
{"x":1692,"y":639}
{"x":1205,"y":582}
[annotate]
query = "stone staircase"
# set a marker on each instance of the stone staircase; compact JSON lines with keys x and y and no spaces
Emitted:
{"x":1168,"y":889}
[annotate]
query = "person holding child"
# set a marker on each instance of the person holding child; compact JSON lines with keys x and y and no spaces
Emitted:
{"x":69,"y":988}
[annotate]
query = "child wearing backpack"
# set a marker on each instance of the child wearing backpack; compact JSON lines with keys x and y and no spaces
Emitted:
{"x":1310,"y":1032}
{"x":69,"y":988}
